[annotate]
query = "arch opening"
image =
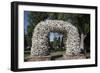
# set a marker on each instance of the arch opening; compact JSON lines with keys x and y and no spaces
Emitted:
{"x":56,"y":43}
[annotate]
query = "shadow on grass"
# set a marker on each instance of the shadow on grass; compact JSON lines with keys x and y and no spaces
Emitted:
{"x":55,"y":57}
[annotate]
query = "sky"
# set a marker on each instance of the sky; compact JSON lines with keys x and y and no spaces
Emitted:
{"x":25,"y":20}
{"x":52,"y":34}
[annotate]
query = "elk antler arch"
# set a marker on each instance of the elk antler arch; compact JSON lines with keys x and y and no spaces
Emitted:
{"x":40,"y":37}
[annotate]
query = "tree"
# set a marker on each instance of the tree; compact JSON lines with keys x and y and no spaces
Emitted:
{"x":83,"y":27}
{"x":82,"y":22}
{"x":55,"y":42}
{"x":25,"y":42}
{"x":33,"y":19}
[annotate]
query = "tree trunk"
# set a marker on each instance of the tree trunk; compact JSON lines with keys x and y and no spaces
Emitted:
{"x":82,"y":42}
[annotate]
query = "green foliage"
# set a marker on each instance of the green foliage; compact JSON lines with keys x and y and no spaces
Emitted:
{"x":33,"y":19}
{"x":83,"y":23}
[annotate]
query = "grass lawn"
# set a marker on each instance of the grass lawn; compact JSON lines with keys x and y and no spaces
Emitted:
{"x":53,"y":55}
